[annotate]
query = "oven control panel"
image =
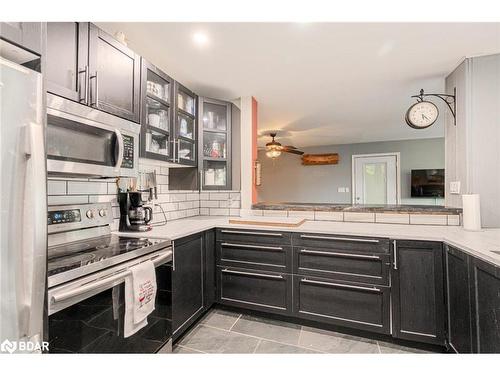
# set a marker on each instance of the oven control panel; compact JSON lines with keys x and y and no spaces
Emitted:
{"x":128,"y":152}
{"x":78,"y":216}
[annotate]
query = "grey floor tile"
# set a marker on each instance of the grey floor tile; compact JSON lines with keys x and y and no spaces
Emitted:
{"x":271,"y":347}
{"x":183,"y":350}
{"x":220,"y":318}
{"x":333,"y":342}
{"x":391,"y":348}
{"x":213,"y":340}
{"x":283,"y":332}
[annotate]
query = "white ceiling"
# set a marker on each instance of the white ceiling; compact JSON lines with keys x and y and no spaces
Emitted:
{"x":320,"y":83}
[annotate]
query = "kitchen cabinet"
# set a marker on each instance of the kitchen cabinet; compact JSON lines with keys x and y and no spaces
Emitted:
{"x":354,"y":305}
{"x":156,"y":113}
{"x":485,"y":292}
{"x":418,"y":298}
{"x":188,"y":280}
{"x":24,"y":34}
{"x":215,"y":144}
{"x":67,"y":60}
{"x":114,"y":76}
{"x":459,"y":301}
{"x":210,"y":287}
{"x":185,"y":126}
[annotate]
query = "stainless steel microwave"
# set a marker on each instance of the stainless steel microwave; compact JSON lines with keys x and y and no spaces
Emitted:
{"x":85,"y":141}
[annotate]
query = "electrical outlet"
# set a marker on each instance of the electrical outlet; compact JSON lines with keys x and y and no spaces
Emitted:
{"x":455,"y":187}
{"x":346,"y":190}
{"x":341,"y":190}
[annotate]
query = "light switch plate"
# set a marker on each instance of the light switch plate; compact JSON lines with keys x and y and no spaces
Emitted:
{"x":455,"y":187}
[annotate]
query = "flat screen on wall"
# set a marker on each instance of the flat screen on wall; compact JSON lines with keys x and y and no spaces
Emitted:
{"x":427,"y":183}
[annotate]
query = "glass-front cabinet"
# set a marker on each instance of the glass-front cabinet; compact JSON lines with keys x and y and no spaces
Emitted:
{"x":185,"y":126}
{"x":215,"y":152}
{"x":156,"y":118}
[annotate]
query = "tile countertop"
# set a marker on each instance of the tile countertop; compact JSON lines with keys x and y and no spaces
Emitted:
{"x":480,"y":244}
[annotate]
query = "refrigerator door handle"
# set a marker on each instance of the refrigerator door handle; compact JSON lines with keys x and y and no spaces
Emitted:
{"x":34,"y":243}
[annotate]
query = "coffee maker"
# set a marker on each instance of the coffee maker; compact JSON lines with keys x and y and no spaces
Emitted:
{"x":134,"y":216}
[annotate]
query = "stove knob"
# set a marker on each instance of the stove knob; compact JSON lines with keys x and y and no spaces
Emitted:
{"x":90,"y":214}
{"x":102,"y":212}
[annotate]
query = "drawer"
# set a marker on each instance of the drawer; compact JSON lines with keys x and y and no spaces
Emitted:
{"x":256,"y":290}
{"x":342,"y":243}
{"x":257,"y":256}
{"x":254,"y":236}
{"x":342,"y":303}
{"x":342,"y":265}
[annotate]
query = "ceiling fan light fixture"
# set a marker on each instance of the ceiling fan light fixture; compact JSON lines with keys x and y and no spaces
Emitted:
{"x":273,"y":154}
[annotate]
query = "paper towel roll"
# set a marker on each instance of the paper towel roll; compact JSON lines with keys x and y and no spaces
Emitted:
{"x":471,"y":212}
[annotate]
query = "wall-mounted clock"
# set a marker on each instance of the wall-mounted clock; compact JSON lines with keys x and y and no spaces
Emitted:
{"x":422,"y":114}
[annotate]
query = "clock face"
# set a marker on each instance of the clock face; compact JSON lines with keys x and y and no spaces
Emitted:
{"x":422,"y":115}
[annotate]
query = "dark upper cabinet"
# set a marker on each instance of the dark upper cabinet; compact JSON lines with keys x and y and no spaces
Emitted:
{"x":459,"y":301}
{"x":156,"y":113}
{"x":67,"y":60}
{"x":185,"y":126}
{"x":418,"y":299}
{"x":114,"y":76}
{"x":485,"y":292}
{"x":28,"y":35}
{"x":188,"y":280}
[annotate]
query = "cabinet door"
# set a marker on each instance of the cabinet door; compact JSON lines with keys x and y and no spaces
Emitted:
{"x":459,"y":317}
{"x":25,"y":34}
{"x":485,"y":288}
{"x":210,"y":288}
{"x":185,"y":126}
{"x":114,"y":76}
{"x":418,"y":292}
{"x":342,"y":303}
{"x":67,"y":60}
{"x":188,"y":264}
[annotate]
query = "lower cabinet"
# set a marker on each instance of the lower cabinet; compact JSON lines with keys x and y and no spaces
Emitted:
{"x":255,"y":289}
{"x":418,"y":297}
{"x":361,"y":306}
{"x":485,"y":292}
{"x":459,"y":301}
{"x":188,"y":280}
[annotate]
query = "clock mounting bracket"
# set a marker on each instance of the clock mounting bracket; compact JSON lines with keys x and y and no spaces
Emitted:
{"x":448,"y":99}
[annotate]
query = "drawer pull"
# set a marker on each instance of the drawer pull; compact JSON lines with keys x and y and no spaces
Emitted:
{"x":370,"y":289}
{"x":263,"y":275}
{"x":329,"y":253}
{"x":252,"y":233}
{"x":338,"y":238}
{"x":277,"y":248}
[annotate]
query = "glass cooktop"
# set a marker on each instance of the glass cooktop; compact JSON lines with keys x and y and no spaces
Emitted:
{"x":98,"y":253}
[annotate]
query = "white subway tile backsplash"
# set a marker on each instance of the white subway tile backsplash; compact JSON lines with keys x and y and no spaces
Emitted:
{"x":87,"y":187}
{"x":309,"y":215}
{"x":235,"y":196}
{"x":204,"y":211}
{"x":103,"y":198}
{"x":363,"y":217}
{"x":392,"y":218}
{"x":328,"y":216}
{"x":454,"y":220}
{"x":429,"y":219}
{"x":219,"y":196}
{"x":177,"y":197}
{"x":204,"y":196}
{"x":193,"y":196}
{"x":209,"y":203}
{"x":234,"y":212}
{"x":219,"y":211}
{"x":56,"y":187}
{"x":67,"y":199}
{"x":275,"y":213}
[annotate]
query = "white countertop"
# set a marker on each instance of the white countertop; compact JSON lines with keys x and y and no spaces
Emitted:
{"x":480,"y":244}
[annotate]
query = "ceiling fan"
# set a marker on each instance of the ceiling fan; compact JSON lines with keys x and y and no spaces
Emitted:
{"x":274,"y":148}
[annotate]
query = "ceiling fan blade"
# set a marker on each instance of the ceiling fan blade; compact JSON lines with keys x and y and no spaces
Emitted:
{"x":296,"y":152}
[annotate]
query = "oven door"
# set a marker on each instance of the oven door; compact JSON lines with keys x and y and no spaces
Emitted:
{"x":87,"y":314}
{"x":90,"y":143}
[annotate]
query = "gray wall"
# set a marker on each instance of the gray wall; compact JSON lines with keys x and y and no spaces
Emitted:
{"x":286,"y":179}
{"x":473,"y":144}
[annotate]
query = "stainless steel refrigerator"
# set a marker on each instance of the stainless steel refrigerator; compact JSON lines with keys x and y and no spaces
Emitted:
{"x":23,"y":225}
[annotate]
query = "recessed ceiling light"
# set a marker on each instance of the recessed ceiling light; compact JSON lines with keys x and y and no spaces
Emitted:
{"x":200,"y":38}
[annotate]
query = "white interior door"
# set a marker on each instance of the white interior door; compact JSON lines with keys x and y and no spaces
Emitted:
{"x":376,"y":179}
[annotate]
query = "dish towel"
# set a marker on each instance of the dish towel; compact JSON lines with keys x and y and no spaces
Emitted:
{"x":140,"y":296}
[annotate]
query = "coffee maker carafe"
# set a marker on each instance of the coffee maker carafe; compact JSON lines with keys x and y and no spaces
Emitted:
{"x":134,"y":216}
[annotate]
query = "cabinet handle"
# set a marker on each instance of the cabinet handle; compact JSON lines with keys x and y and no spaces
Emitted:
{"x":276,"y":248}
{"x":338,"y":238}
{"x":263,"y":275}
{"x":314,"y":282}
{"x":263,"y":234}
{"x":178,"y":141}
{"x":85,"y":98}
{"x":96,"y":96}
{"x":329,"y":253}
{"x":173,"y":256}
{"x":395,"y":255}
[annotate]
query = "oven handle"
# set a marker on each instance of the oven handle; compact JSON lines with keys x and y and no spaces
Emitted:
{"x":102,"y":282}
{"x":119,"y":159}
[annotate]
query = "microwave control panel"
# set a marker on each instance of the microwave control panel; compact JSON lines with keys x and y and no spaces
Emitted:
{"x":128,"y":152}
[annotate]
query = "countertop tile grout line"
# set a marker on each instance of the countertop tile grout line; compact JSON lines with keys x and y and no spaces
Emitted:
{"x":256,"y":346}
{"x":193,"y":349}
{"x":378,"y":346}
{"x":236,"y":321}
